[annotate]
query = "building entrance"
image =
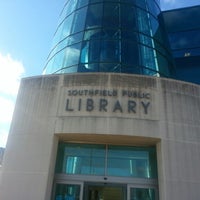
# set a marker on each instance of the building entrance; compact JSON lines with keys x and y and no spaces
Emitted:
{"x":104,"y":192}
{"x":105,"y":172}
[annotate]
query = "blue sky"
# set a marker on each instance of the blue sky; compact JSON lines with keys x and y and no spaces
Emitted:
{"x":26,"y":31}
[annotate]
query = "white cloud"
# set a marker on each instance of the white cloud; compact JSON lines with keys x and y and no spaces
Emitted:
{"x":6,"y":109}
{"x":11,"y":73}
{"x":3,"y":137}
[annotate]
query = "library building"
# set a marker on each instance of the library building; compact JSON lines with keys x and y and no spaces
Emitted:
{"x":116,"y":113}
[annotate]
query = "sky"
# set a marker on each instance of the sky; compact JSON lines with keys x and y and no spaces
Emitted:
{"x":26,"y":32}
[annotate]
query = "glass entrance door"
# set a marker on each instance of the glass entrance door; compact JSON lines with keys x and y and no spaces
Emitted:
{"x":104,"y":192}
{"x":136,"y":193}
{"x":68,"y":191}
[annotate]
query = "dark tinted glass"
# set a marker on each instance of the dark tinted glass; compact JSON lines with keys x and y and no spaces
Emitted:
{"x":110,"y":36}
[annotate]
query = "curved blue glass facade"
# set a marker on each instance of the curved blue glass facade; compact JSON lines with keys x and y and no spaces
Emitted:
{"x":123,"y":36}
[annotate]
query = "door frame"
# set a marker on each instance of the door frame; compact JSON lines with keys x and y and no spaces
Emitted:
{"x":87,"y":184}
{"x":143,"y":186}
{"x":65,"y":182}
{"x":83,"y":180}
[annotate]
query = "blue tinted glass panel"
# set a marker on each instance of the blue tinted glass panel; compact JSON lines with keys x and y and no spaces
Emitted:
{"x":81,"y":159}
{"x":88,"y":67}
{"x":148,"y":56}
{"x":155,"y":28}
{"x":153,"y":8}
{"x":129,"y":53}
{"x":143,"y":24}
{"x":129,"y":35}
{"x":65,"y":29}
{"x":130,"y":161}
{"x":109,"y":27}
{"x":65,"y":42}
{"x":128,"y":17}
{"x":94,"y":16}
{"x":141,"y":4}
{"x":130,"y":69}
{"x":111,"y":15}
{"x":186,"y":52}
{"x":95,"y":1}
{"x":110,"y":50}
{"x":189,"y":39}
{"x":142,"y":194}
{"x":146,"y":40}
{"x":79,"y":20}
{"x":82,"y":3}
{"x":163,"y":64}
{"x":69,"y":8}
{"x":109,"y":67}
{"x":188,"y":69}
{"x":94,"y":34}
{"x":111,"y":160}
{"x":67,"y":192}
{"x":90,"y":51}
{"x":70,"y":69}
{"x":71,"y":55}
{"x":190,"y":17}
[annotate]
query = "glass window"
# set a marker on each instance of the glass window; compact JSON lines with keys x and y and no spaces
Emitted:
{"x":71,"y":55}
{"x":111,"y":15}
{"x":69,"y":69}
{"x":94,"y":16}
{"x":94,"y":34}
{"x":130,"y":53}
{"x":79,"y":20}
{"x":130,"y":69}
{"x":108,"y":160}
{"x":95,"y":1}
{"x":163,"y":64}
{"x":90,"y":51}
{"x":109,"y":67}
{"x":49,"y":67}
{"x":143,"y":22}
{"x":69,"y":7}
{"x":141,"y":4}
{"x":188,"y":39}
{"x":75,"y":38}
{"x":65,"y":42}
{"x":155,"y":27}
{"x":56,"y":62}
{"x":148,"y":57}
{"x":146,"y":40}
{"x":142,"y":194}
{"x":128,"y":17}
{"x":57,"y":35}
{"x":67,"y":192}
{"x":186,"y":52}
{"x":81,"y":3}
{"x":110,"y":51}
{"x":81,"y":159}
{"x":66,"y":27}
{"x":190,"y":17}
{"x":88,"y":67}
{"x":153,"y":8}
{"x":129,"y":35}
{"x":130,"y":161}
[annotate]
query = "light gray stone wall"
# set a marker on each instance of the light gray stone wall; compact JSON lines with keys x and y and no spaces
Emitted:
{"x":96,"y":108}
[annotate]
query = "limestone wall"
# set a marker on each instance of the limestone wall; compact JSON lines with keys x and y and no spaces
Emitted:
{"x":103,"y":108}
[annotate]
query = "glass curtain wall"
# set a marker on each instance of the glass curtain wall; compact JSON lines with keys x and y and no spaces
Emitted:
{"x":106,"y":160}
{"x":123,"y":36}
{"x":184,"y":41}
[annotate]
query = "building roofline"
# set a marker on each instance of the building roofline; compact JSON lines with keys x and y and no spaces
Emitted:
{"x":182,"y":8}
